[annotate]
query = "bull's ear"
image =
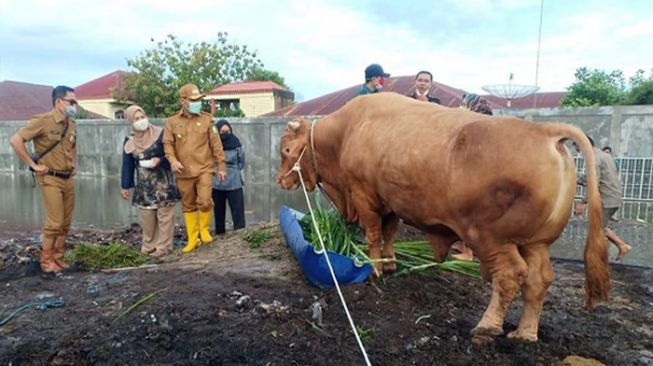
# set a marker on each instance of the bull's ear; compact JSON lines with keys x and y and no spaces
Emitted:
{"x":294,"y":125}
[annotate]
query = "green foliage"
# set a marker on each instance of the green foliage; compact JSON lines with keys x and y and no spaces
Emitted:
{"x":256,"y":238}
{"x":348,"y":240}
{"x":261,"y":74}
{"x":114,"y":255}
{"x":337,"y":234}
{"x":640,"y":94}
{"x":365,"y":334}
{"x":228,"y":112}
{"x":598,"y":88}
{"x":160,"y":71}
{"x":595,"y":88}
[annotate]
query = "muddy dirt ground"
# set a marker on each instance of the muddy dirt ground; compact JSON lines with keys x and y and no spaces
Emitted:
{"x":232,"y":304}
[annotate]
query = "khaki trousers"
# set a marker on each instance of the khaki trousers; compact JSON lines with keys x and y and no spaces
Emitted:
{"x":58,"y":197}
{"x":196,"y":192}
{"x":158,"y":228}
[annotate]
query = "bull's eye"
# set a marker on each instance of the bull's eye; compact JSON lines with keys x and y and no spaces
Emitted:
{"x":287,"y":151}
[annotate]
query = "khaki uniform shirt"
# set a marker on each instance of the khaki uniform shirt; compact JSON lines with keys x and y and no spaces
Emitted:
{"x":609,"y":185}
{"x":608,"y":177}
{"x":195,"y":143}
{"x":45,"y":129}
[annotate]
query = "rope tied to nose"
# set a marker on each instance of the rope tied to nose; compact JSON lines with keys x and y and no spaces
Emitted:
{"x":297,"y":168}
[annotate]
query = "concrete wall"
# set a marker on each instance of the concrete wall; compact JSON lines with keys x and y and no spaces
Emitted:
{"x":99,"y":146}
{"x":629,"y":130}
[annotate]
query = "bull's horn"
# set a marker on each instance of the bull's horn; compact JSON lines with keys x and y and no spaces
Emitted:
{"x":294,"y":125}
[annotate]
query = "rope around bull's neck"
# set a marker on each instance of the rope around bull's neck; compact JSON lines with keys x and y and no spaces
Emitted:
{"x":317,"y":175}
{"x":298,"y":169}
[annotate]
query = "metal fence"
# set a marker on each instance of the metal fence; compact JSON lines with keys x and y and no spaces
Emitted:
{"x":636,"y":176}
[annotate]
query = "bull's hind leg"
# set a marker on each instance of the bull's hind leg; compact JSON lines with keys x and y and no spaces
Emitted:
{"x":508,"y":271}
{"x":390,"y":223}
{"x":540,"y":277}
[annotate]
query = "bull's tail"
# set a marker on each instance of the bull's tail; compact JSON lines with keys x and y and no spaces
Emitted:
{"x":597,"y":275}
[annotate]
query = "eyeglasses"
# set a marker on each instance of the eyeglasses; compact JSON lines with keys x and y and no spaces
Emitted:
{"x":70,"y":101}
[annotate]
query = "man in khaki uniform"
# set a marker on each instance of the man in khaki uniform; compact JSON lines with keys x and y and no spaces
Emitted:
{"x":54,"y":171}
{"x":611,"y":196}
{"x":192,"y":145}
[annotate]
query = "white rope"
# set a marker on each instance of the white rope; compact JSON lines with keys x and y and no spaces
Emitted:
{"x":297,"y":169}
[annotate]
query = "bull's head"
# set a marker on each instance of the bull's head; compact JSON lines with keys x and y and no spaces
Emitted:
{"x":295,"y":147}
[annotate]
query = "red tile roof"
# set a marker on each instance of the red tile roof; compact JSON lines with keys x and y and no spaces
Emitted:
{"x":448,"y":95}
{"x":246,"y":87}
{"x":102,"y":87}
{"x":21,"y":101}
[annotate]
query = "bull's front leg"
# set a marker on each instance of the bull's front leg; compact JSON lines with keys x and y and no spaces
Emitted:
{"x":390,"y":223}
{"x":440,"y":244}
{"x":371,"y":222}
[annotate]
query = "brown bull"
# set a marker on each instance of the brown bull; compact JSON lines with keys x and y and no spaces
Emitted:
{"x":503,"y":185}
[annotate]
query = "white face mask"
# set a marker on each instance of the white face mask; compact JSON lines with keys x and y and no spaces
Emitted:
{"x":141,"y":125}
{"x":195,"y":107}
{"x":70,"y":111}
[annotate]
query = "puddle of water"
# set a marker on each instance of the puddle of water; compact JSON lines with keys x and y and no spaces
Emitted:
{"x":98,"y":204}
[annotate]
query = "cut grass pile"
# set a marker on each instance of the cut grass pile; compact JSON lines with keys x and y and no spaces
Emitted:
{"x":114,"y":255}
{"x":348,"y":240}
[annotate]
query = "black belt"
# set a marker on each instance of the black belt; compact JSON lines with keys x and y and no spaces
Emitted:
{"x":62,"y":175}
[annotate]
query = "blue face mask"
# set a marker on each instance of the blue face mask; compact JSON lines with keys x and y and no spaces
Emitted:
{"x":195,"y":107}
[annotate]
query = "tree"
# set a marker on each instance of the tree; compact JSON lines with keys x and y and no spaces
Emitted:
{"x":159,"y":72}
{"x":594,"y":88}
{"x":260,"y":74}
{"x":228,"y":111}
{"x":641,"y":94}
{"x":641,"y":89}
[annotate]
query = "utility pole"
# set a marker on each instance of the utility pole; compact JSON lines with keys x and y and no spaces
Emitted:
{"x":537,"y":59}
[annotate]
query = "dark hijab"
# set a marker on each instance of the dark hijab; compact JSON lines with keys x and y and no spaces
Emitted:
{"x":229,"y":140}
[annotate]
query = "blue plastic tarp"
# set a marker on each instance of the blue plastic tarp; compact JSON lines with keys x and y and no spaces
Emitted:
{"x":314,"y":263}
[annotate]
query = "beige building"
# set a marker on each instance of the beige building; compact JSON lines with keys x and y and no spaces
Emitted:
{"x":254,"y":98}
{"x":97,"y":95}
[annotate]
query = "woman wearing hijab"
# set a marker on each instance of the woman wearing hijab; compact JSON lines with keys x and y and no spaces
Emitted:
{"x":154,"y":191}
{"x":476,"y":103}
{"x":230,"y":189}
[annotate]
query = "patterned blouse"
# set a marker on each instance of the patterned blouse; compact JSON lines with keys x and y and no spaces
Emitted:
{"x":153,"y":187}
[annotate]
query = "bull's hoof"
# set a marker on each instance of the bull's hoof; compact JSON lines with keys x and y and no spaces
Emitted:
{"x":481,"y":340}
{"x":522,"y":336}
{"x":390,"y":267}
{"x":482,"y":335}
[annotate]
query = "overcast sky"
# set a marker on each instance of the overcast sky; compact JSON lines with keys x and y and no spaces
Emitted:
{"x":323,"y":46}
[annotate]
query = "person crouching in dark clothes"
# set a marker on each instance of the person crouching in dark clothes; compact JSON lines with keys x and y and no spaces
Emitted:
{"x":231,"y":189}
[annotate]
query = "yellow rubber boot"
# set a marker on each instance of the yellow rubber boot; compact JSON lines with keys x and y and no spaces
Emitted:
{"x":205,"y":222}
{"x":192,"y":231}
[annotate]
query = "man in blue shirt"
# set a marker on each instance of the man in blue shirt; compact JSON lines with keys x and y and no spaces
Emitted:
{"x":374,"y":79}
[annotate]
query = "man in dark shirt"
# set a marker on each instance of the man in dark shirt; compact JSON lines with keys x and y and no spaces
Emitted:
{"x":374,"y":79}
{"x":423,"y":84}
